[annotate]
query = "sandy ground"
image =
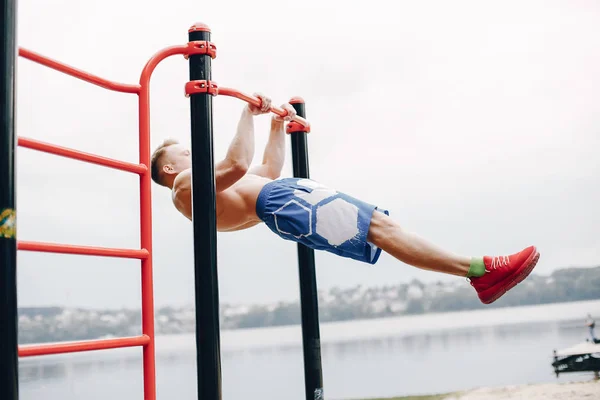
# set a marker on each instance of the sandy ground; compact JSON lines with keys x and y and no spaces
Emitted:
{"x":582,"y":391}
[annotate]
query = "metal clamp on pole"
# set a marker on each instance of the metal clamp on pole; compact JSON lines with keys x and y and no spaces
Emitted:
{"x":309,"y":303}
{"x":204,"y":220}
{"x":201,"y":86}
{"x":294,"y":126}
{"x":201,"y":47}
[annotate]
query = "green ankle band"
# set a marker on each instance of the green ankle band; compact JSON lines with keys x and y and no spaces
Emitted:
{"x":477,"y":267}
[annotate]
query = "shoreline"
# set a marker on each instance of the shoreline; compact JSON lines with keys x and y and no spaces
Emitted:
{"x":544,"y":391}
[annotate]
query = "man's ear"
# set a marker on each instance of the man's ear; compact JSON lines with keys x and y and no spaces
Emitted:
{"x":168,"y":169}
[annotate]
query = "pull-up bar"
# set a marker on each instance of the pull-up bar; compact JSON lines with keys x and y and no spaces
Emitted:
{"x":256,"y":102}
{"x":210,"y":87}
{"x":195,"y":87}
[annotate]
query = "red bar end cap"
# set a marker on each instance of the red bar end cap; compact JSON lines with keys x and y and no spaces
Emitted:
{"x":296,"y":100}
{"x":199,"y":26}
{"x":293,"y":126}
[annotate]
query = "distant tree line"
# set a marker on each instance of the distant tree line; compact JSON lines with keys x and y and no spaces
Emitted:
{"x":49,"y":324}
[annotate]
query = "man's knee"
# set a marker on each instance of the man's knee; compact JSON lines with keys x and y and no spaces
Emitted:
{"x":380,"y":227}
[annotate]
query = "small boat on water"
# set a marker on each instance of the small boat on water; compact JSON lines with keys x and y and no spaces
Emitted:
{"x":581,"y":357}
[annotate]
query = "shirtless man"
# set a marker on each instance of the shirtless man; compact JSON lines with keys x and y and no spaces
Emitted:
{"x":317,"y":216}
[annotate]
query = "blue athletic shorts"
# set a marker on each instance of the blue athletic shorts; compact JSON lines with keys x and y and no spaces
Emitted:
{"x":321,"y":218}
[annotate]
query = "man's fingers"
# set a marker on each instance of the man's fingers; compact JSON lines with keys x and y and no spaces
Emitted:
{"x":265,"y":106}
{"x":265,"y":102}
{"x":291,"y":111}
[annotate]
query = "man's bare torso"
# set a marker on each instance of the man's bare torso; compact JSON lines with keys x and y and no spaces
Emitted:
{"x":236,"y":206}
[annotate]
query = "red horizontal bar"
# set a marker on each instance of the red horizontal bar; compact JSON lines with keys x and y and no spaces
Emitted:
{"x":81,"y":156}
{"x":77,"y":73}
{"x":82,"y":250}
{"x":255,"y":101}
{"x":89,"y":345}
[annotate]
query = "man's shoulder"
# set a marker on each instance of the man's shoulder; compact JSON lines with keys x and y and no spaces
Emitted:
{"x":182,"y":180}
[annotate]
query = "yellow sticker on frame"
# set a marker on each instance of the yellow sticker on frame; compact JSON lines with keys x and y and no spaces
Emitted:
{"x":8,"y":223}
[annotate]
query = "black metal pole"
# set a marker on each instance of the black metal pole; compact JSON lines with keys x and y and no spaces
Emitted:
{"x":9,"y":377}
{"x":205,"y":228}
{"x":309,"y":303}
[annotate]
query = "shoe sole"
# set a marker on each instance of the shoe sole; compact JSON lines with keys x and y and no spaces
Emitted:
{"x":516,"y":278}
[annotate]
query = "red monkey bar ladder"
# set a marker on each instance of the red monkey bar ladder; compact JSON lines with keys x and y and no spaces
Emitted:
{"x":146,"y":340}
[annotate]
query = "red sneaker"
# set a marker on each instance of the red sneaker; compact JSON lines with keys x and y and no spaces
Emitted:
{"x":503,"y":273}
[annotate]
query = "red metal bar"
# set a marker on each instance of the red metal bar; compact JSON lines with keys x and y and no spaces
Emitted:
{"x":256,"y":102}
{"x":142,"y":254}
{"x":82,"y":156}
{"x":89,"y":345}
{"x":77,"y":73}
{"x":146,"y":217}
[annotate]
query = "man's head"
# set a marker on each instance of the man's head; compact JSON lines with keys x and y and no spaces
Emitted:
{"x":168,"y":160}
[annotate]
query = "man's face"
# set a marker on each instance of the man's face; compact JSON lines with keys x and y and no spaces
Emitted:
{"x":177,"y":158}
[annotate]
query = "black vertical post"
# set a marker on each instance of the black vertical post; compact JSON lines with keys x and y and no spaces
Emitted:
{"x":205,"y":227}
{"x":9,"y":379}
{"x":309,"y":303}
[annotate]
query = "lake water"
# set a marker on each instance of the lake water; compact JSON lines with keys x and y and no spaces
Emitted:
{"x":375,"y":358}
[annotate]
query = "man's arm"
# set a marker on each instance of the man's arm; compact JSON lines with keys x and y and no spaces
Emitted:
{"x":233,"y":167}
{"x":241,"y":150}
{"x":274,"y":155}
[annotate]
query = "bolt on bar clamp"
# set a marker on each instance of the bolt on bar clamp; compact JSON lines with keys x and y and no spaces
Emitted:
{"x":201,"y":47}
{"x":201,"y":86}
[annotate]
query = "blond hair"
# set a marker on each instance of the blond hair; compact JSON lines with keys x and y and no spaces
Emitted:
{"x":156,"y":161}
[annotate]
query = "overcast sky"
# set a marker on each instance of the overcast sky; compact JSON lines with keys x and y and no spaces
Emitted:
{"x":476,"y":123}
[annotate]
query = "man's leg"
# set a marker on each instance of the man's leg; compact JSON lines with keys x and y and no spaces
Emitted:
{"x":409,"y":248}
{"x":490,"y":276}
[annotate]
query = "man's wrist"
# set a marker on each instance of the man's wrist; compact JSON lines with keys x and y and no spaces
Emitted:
{"x":248,"y":110}
{"x":277,"y":120}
